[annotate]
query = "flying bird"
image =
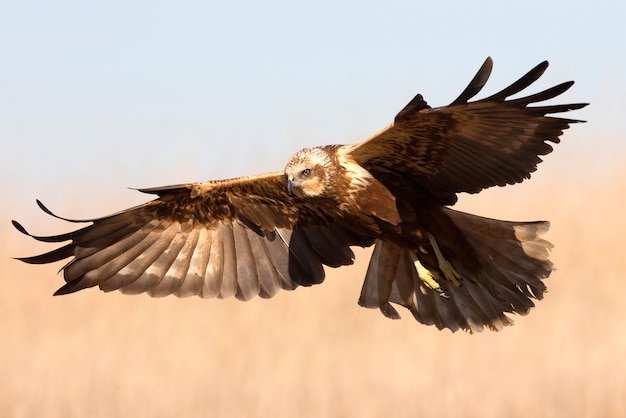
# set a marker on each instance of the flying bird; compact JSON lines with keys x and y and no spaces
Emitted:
{"x":253,"y":236}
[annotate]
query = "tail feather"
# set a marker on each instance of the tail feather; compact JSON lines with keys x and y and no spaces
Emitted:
{"x":512,"y":261}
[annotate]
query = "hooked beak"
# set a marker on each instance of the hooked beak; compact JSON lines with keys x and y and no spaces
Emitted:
{"x":290,"y":185}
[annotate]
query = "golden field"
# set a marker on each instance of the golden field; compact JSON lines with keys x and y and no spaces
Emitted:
{"x":314,"y":352}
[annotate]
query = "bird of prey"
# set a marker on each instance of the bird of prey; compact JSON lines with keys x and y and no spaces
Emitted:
{"x":259,"y":234}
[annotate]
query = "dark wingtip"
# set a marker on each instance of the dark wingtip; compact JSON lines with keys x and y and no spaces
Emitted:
{"x":44,"y":208}
{"x":577,"y":106}
{"x":23,"y":259}
{"x":539,"y":69}
{"x":519,"y":85}
{"x":61,"y":291}
{"x":477,"y":83}
{"x":49,"y":212}
{"x":51,"y":256}
{"x":66,"y":289}
{"x":70,"y":287}
{"x":415,"y":105}
{"x":23,"y":230}
{"x":19,"y":227}
{"x":54,"y":215}
{"x":162,"y":190}
{"x":488,"y":63}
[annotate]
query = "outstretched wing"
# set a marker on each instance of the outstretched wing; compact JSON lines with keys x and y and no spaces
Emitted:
{"x":242,"y":237}
{"x":469,"y":146}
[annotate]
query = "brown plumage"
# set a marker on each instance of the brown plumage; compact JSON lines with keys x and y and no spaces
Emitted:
{"x":256,"y":235}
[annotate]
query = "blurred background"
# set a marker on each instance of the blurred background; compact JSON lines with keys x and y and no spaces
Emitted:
{"x":101,"y":96}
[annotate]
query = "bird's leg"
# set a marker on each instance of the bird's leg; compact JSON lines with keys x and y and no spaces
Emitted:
{"x":428,"y":277}
{"x":444,"y":265}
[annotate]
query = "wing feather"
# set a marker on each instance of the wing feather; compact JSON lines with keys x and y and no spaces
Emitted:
{"x":248,"y":285}
{"x":469,"y":146}
{"x":212,"y":281}
{"x":145,"y":271}
{"x":519,"y":85}
{"x":477,"y":83}
{"x":113,"y":257}
{"x":198,"y":262}
{"x":229,"y":257}
{"x":268,"y":275}
{"x":179,"y":270}
{"x":213,"y":278}
{"x":282,"y":259}
{"x":241,"y":237}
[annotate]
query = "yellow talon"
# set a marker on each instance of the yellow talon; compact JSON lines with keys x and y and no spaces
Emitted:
{"x":428,"y":277}
{"x":446,"y":268}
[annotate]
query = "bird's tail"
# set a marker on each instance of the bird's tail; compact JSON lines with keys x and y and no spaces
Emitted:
{"x":502,"y":273}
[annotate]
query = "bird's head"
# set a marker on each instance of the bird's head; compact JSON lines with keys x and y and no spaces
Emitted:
{"x":307,"y":172}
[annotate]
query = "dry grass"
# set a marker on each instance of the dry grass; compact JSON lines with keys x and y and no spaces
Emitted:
{"x":314,"y":352}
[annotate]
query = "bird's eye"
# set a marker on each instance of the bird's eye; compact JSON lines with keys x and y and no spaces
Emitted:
{"x":305,"y":172}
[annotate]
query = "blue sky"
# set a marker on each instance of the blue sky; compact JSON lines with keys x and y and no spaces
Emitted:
{"x":100,"y":96}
